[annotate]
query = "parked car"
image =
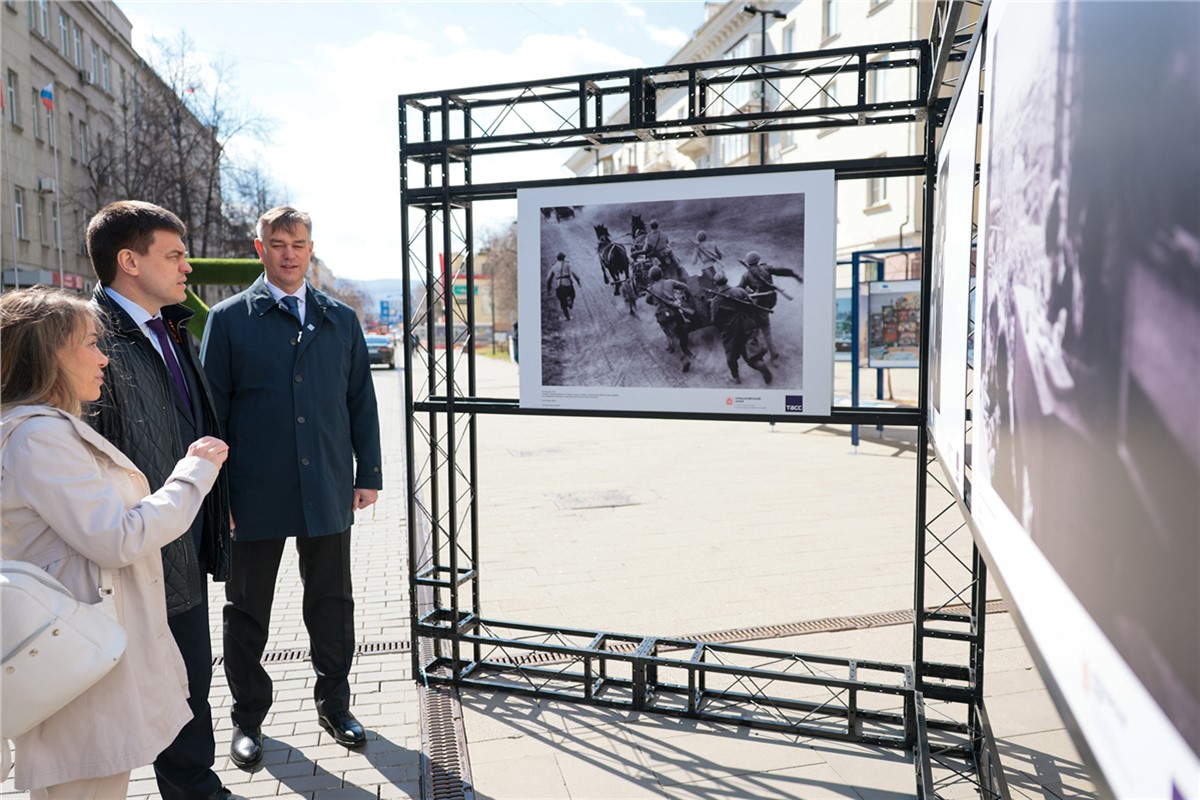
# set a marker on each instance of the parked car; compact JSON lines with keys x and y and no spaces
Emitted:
{"x":380,"y":350}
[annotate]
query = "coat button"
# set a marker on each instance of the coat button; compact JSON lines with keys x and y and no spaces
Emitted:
{"x":304,"y":461}
{"x":299,"y":379}
{"x":300,"y":420}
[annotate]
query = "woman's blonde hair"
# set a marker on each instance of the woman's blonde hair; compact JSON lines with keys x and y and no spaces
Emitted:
{"x":35,"y":325}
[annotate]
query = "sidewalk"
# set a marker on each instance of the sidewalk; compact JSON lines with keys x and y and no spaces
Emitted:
{"x":642,"y":527}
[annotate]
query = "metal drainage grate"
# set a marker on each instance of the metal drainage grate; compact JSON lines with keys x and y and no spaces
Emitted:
{"x":578,"y":501}
{"x":304,"y":653}
{"x":447,"y":771}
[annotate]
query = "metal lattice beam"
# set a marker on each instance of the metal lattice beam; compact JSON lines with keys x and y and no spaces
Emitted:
{"x":934,"y":708}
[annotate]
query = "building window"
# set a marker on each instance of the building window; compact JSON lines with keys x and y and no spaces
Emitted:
{"x":738,"y":95}
{"x":71,"y":132}
{"x":64,"y":35}
{"x":829,"y":18}
{"x":829,"y":93}
{"x":83,"y":141}
{"x":876,"y":191}
{"x":19,"y":213}
{"x":734,"y":147}
{"x":106,"y":72}
{"x":81,"y":226}
{"x":10,"y":97}
{"x":78,"y":38}
{"x":95,"y":68}
{"x":43,"y":229}
{"x":877,"y":188}
{"x":54,"y":225}
{"x":35,"y":117}
{"x":877,"y":82}
{"x":789,"y":38}
{"x":39,"y":17}
{"x":51,"y":134}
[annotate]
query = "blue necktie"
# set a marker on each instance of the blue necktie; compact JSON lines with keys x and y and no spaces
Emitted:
{"x":159,"y":329}
{"x":292,"y":306}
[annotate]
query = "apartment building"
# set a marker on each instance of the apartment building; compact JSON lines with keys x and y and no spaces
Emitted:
{"x":72,"y":82}
{"x":880,"y":213}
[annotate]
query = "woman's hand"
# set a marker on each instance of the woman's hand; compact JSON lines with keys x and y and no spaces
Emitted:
{"x":210,"y":448}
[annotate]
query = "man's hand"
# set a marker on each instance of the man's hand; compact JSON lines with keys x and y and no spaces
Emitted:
{"x":364,"y":498}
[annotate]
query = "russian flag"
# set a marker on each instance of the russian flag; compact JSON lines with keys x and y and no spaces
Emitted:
{"x":48,"y":96}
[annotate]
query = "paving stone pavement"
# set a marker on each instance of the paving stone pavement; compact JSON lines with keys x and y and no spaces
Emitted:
{"x":644,"y":527}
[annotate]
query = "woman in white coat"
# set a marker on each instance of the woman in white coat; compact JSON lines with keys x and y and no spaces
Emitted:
{"x":72,"y":503}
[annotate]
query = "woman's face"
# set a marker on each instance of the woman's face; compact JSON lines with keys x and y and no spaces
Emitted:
{"x":84,"y":363}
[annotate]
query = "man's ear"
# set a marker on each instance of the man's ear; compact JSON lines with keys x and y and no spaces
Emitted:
{"x":258,"y":247}
{"x":125,"y":262}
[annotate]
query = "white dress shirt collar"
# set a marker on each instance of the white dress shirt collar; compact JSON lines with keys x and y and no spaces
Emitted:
{"x":277,"y":295}
{"x":138,"y":314}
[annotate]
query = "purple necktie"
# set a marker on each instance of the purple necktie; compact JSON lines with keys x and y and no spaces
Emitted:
{"x":164,"y":341}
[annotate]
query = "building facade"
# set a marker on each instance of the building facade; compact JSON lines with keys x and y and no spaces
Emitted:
{"x":74,"y":91}
{"x":876,"y":214}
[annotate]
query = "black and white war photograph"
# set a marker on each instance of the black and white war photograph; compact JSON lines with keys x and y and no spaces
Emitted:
{"x":687,"y":299}
{"x":1088,"y":418}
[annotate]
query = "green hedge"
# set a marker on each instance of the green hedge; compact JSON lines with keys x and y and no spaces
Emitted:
{"x":218,"y":271}
{"x":232,"y":271}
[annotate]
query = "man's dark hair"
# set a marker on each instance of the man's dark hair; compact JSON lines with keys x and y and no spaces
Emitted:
{"x":126,"y":225}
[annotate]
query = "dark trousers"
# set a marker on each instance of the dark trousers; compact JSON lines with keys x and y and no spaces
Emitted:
{"x":184,"y":769}
{"x":566,"y":298}
{"x":328,"y":616}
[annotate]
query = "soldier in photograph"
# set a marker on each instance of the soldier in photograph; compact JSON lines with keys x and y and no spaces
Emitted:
{"x":559,"y":281}
{"x":672,"y":301}
{"x":708,"y":256}
{"x":657,"y":247}
{"x":739,"y":320}
{"x":763,"y":290}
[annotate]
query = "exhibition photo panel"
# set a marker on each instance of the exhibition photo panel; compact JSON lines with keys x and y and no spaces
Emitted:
{"x":950,"y":278}
{"x":1086,"y":450}
{"x":697,"y":295}
{"x":894,"y":324}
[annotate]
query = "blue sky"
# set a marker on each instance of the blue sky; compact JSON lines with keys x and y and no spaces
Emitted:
{"x":326,"y":76}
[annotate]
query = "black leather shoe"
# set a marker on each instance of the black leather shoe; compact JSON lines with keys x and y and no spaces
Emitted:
{"x":246,"y":748}
{"x":225,"y":794}
{"x":344,"y":728}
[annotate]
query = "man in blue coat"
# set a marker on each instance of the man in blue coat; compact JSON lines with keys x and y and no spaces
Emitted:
{"x":291,"y":381}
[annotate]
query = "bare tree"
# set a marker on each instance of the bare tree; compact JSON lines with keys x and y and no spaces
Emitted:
{"x":498,"y":254}
{"x":198,"y":152}
{"x":250,"y":192}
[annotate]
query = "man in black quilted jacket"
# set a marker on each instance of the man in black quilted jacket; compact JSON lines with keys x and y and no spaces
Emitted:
{"x":154,"y":402}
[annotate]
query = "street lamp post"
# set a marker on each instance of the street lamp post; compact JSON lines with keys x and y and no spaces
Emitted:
{"x":763,"y":13}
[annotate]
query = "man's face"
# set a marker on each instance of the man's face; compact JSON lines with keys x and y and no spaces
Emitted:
{"x":285,"y":256}
{"x":160,"y":273}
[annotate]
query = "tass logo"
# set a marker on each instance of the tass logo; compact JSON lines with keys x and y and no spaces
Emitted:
{"x":793,"y":403}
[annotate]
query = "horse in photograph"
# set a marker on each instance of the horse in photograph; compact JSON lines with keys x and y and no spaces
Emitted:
{"x":614,"y":260}
{"x":636,"y":226}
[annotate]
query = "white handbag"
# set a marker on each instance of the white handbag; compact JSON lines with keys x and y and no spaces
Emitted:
{"x":54,"y":647}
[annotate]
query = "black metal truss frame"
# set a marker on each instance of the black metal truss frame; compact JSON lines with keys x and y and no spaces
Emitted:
{"x":934,"y":708}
